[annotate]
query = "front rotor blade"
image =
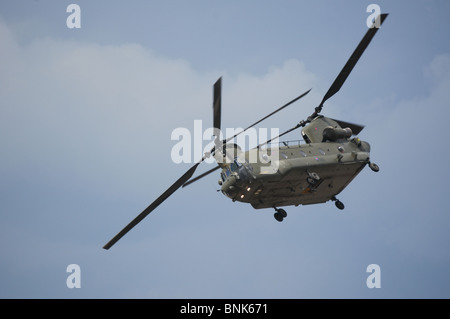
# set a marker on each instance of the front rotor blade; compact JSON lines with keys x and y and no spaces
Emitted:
{"x":217,"y":103}
{"x":348,"y":67}
{"x":200,"y":176}
{"x":183,"y":179}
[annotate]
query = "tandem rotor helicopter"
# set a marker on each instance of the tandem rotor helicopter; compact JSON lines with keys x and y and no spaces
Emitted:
{"x":291,"y":174}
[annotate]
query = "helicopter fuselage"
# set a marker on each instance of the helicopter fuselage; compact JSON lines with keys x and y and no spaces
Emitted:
{"x":295,"y":173}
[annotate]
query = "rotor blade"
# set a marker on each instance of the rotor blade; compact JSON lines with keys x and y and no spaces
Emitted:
{"x":200,"y":176}
{"x":217,"y":103}
{"x":153,"y":205}
{"x":267,"y":116}
{"x":348,"y":67}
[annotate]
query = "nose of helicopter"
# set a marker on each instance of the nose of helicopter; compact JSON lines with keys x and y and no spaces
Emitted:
{"x":229,"y":187}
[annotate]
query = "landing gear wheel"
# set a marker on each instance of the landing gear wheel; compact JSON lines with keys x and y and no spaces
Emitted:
{"x":339,"y":204}
{"x":374,"y":167}
{"x":280,"y":214}
{"x":278,"y":217}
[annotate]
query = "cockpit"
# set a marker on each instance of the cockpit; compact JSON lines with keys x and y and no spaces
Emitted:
{"x":234,"y":167}
{"x":234,"y":177}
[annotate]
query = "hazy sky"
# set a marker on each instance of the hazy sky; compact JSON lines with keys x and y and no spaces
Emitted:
{"x":86,"y":117}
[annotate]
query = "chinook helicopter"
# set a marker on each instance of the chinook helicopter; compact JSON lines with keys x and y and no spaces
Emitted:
{"x":292,"y":173}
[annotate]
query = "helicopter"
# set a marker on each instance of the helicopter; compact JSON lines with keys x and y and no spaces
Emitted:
{"x":292,"y":173}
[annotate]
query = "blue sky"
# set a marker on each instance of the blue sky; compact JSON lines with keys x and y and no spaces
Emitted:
{"x":86,"y":117}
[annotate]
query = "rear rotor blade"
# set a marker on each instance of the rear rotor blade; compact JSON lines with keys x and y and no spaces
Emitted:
{"x":183,"y":179}
{"x":267,"y":116}
{"x":301,"y":124}
{"x":348,"y":67}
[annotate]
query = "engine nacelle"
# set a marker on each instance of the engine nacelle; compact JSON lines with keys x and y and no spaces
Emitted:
{"x":333,"y":134}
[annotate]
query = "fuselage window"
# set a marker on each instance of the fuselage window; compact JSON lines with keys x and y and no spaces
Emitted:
{"x":302,"y":153}
{"x":321,"y":151}
{"x":266,"y":158}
